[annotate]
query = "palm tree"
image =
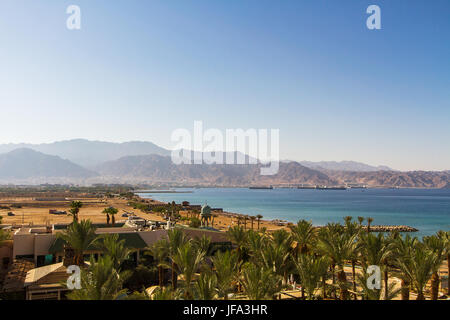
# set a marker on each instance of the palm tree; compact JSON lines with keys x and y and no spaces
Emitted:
{"x":371,"y":294}
{"x":259,"y":283}
{"x":339,"y":247}
{"x":445,"y":236}
{"x":369,"y":221}
{"x":276,"y":258}
{"x":258,"y":218}
{"x":360,"y":220}
{"x":75,"y":207}
{"x":177,"y":239}
{"x":114,"y":248}
{"x":435,"y":244}
{"x":252,"y":219}
{"x":376,"y":251}
{"x":214,"y":216}
{"x":238,"y":236}
{"x":205,"y":287}
{"x":111,"y":211}
{"x":160,"y":252}
{"x":402,"y":251}
{"x":202,"y":244}
{"x":226,"y":265}
{"x":304,"y":234}
{"x":419,"y":268}
{"x":188,"y":260}
{"x":80,"y":236}
{"x":100,"y":282}
{"x":311,"y":269}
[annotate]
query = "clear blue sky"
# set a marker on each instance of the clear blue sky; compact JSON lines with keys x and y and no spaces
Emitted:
{"x":137,"y":70}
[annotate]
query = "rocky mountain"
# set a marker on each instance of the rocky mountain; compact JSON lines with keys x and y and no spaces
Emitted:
{"x":344,"y":166}
{"x":161,"y":169}
{"x":26,"y":164}
{"x":409,"y":179}
{"x":90,"y":153}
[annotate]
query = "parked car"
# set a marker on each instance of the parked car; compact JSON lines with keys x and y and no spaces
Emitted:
{"x":10,"y":214}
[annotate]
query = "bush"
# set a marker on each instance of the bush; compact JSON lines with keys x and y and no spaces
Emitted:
{"x":195,"y":223}
{"x":142,"y":277}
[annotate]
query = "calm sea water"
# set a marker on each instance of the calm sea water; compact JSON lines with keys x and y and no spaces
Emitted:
{"x":426,"y":210}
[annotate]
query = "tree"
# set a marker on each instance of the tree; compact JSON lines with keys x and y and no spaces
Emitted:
{"x":202,"y":244}
{"x":360,"y":220}
{"x":238,"y":236}
{"x":80,"y":236}
{"x":311,"y":269}
{"x":205,"y":287}
{"x":436,"y":245}
{"x":419,"y":268}
{"x":226,"y":265}
{"x":177,"y":239}
{"x":402,"y":251}
{"x":252,"y":220}
{"x":445,"y":236}
{"x":260,"y":283}
{"x":160,"y":252}
{"x":114,"y":248}
{"x":188,"y":260}
{"x":100,"y":282}
{"x":369,"y":221}
{"x":111,"y":211}
{"x":74,"y":210}
{"x":338,"y":247}
{"x":304,"y":234}
{"x":258,"y":218}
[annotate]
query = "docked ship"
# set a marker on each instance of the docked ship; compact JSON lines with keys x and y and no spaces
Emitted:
{"x":261,"y":187}
{"x":331,"y":188}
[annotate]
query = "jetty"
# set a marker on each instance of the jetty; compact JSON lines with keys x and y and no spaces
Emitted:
{"x":387,"y":228}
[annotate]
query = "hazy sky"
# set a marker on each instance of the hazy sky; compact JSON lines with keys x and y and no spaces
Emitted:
{"x":137,"y":70}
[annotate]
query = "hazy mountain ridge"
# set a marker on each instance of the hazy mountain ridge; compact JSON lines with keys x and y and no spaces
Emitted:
{"x":344,"y":166}
{"x":25,"y":164}
{"x":409,"y":179}
{"x":162,"y":169}
{"x":90,"y":153}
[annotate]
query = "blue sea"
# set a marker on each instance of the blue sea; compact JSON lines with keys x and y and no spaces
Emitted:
{"x":425,"y":209}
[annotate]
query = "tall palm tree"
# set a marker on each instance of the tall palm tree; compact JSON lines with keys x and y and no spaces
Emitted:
{"x":226,"y":265}
{"x":111,"y":211}
{"x":311,"y":269}
{"x":402,"y":251}
{"x":74,"y":210}
{"x":419,"y":268}
{"x":80,"y":236}
{"x":160,"y":252}
{"x":276,"y":258}
{"x":360,"y":220}
{"x":259,"y":283}
{"x":205,"y":287}
{"x":371,"y":294}
{"x":114,"y":248}
{"x":188,"y":260}
{"x":238,"y":236}
{"x":258,"y":218}
{"x":445,"y":236}
{"x":203,"y":243}
{"x":100,"y":282}
{"x":339,"y":248}
{"x":435,"y":244}
{"x":376,"y":251}
{"x":252,"y":220}
{"x":369,"y":221}
{"x":305,"y":235}
{"x":177,"y":239}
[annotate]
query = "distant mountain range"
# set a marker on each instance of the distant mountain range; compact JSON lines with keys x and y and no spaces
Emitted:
{"x":88,"y":153}
{"x":344,"y":166}
{"x":26,"y":164}
{"x":86,"y":162}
